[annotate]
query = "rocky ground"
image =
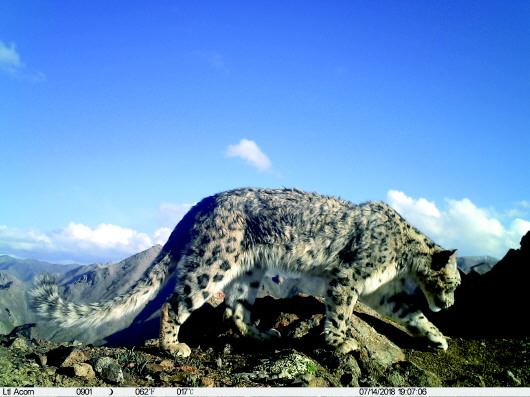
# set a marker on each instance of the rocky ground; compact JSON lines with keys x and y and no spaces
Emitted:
{"x":388,"y":356}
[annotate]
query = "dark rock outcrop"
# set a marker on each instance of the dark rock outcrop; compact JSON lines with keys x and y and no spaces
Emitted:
{"x":492,"y":304}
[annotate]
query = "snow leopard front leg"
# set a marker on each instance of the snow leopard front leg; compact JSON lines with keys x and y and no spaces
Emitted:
{"x":341,"y":296}
{"x":240,"y":297}
{"x":400,"y":307}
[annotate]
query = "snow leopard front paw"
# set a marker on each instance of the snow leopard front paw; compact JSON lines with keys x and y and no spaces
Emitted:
{"x":348,"y":346}
{"x":341,"y":344}
{"x":419,"y":326}
{"x":178,"y":349}
{"x":437,"y":340}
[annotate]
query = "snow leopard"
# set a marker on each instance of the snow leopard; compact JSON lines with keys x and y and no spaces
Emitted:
{"x":228,"y":241}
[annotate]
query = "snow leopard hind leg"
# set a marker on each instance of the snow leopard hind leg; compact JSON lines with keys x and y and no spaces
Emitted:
{"x":240,"y":297}
{"x":173,"y":314}
{"x":169,"y":330}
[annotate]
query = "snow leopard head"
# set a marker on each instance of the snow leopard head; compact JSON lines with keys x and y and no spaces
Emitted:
{"x":439,"y":279}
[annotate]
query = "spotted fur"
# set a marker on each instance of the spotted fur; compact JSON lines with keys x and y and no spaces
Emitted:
{"x":228,"y":241}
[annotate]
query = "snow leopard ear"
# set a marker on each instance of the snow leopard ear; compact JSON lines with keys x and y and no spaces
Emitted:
{"x":441,"y":259}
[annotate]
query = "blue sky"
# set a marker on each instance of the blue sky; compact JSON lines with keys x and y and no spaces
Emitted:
{"x":116,"y":116}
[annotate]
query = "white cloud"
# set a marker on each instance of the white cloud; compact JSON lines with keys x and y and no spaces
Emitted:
{"x":78,"y":243}
{"x":161,"y":235}
{"x":248,"y":150}
{"x":420,"y":212}
{"x":82,"y":244}
{"x":103,"y":236}
{"x":12,"y":65}
{"x":462,"y":225}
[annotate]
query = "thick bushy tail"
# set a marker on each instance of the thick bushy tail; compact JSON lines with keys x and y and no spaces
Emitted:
{"x":47,"y":304}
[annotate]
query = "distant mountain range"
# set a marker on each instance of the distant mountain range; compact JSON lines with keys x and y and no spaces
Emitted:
{"x":99,"y":282}
{"x":479,"y":264}
{"x":27,"y":269}
{"x":82,"y":284}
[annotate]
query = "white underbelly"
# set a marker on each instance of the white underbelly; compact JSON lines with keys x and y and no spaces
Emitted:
{"x":378,"y":279}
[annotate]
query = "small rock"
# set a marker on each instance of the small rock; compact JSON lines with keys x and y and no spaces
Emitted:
{"x":164,"y":365}
{"x":155,"y":367}
{"x":173,"y":377}
{"x":309,"y":380}
{"x":207,"y":382}
{"x":76,"y":356}
{"x":84,"y":370}
{"x":109,"y":369}
{"x":20,"y":344}
{"x":42,"y":360}
{"x":285,"y":368}
{"x":189,"y":369}
{"x":168,"y":365}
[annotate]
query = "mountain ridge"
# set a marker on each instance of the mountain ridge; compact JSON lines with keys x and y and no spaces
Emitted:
{"x":480,"y":264}
{"x":27,"y":269}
